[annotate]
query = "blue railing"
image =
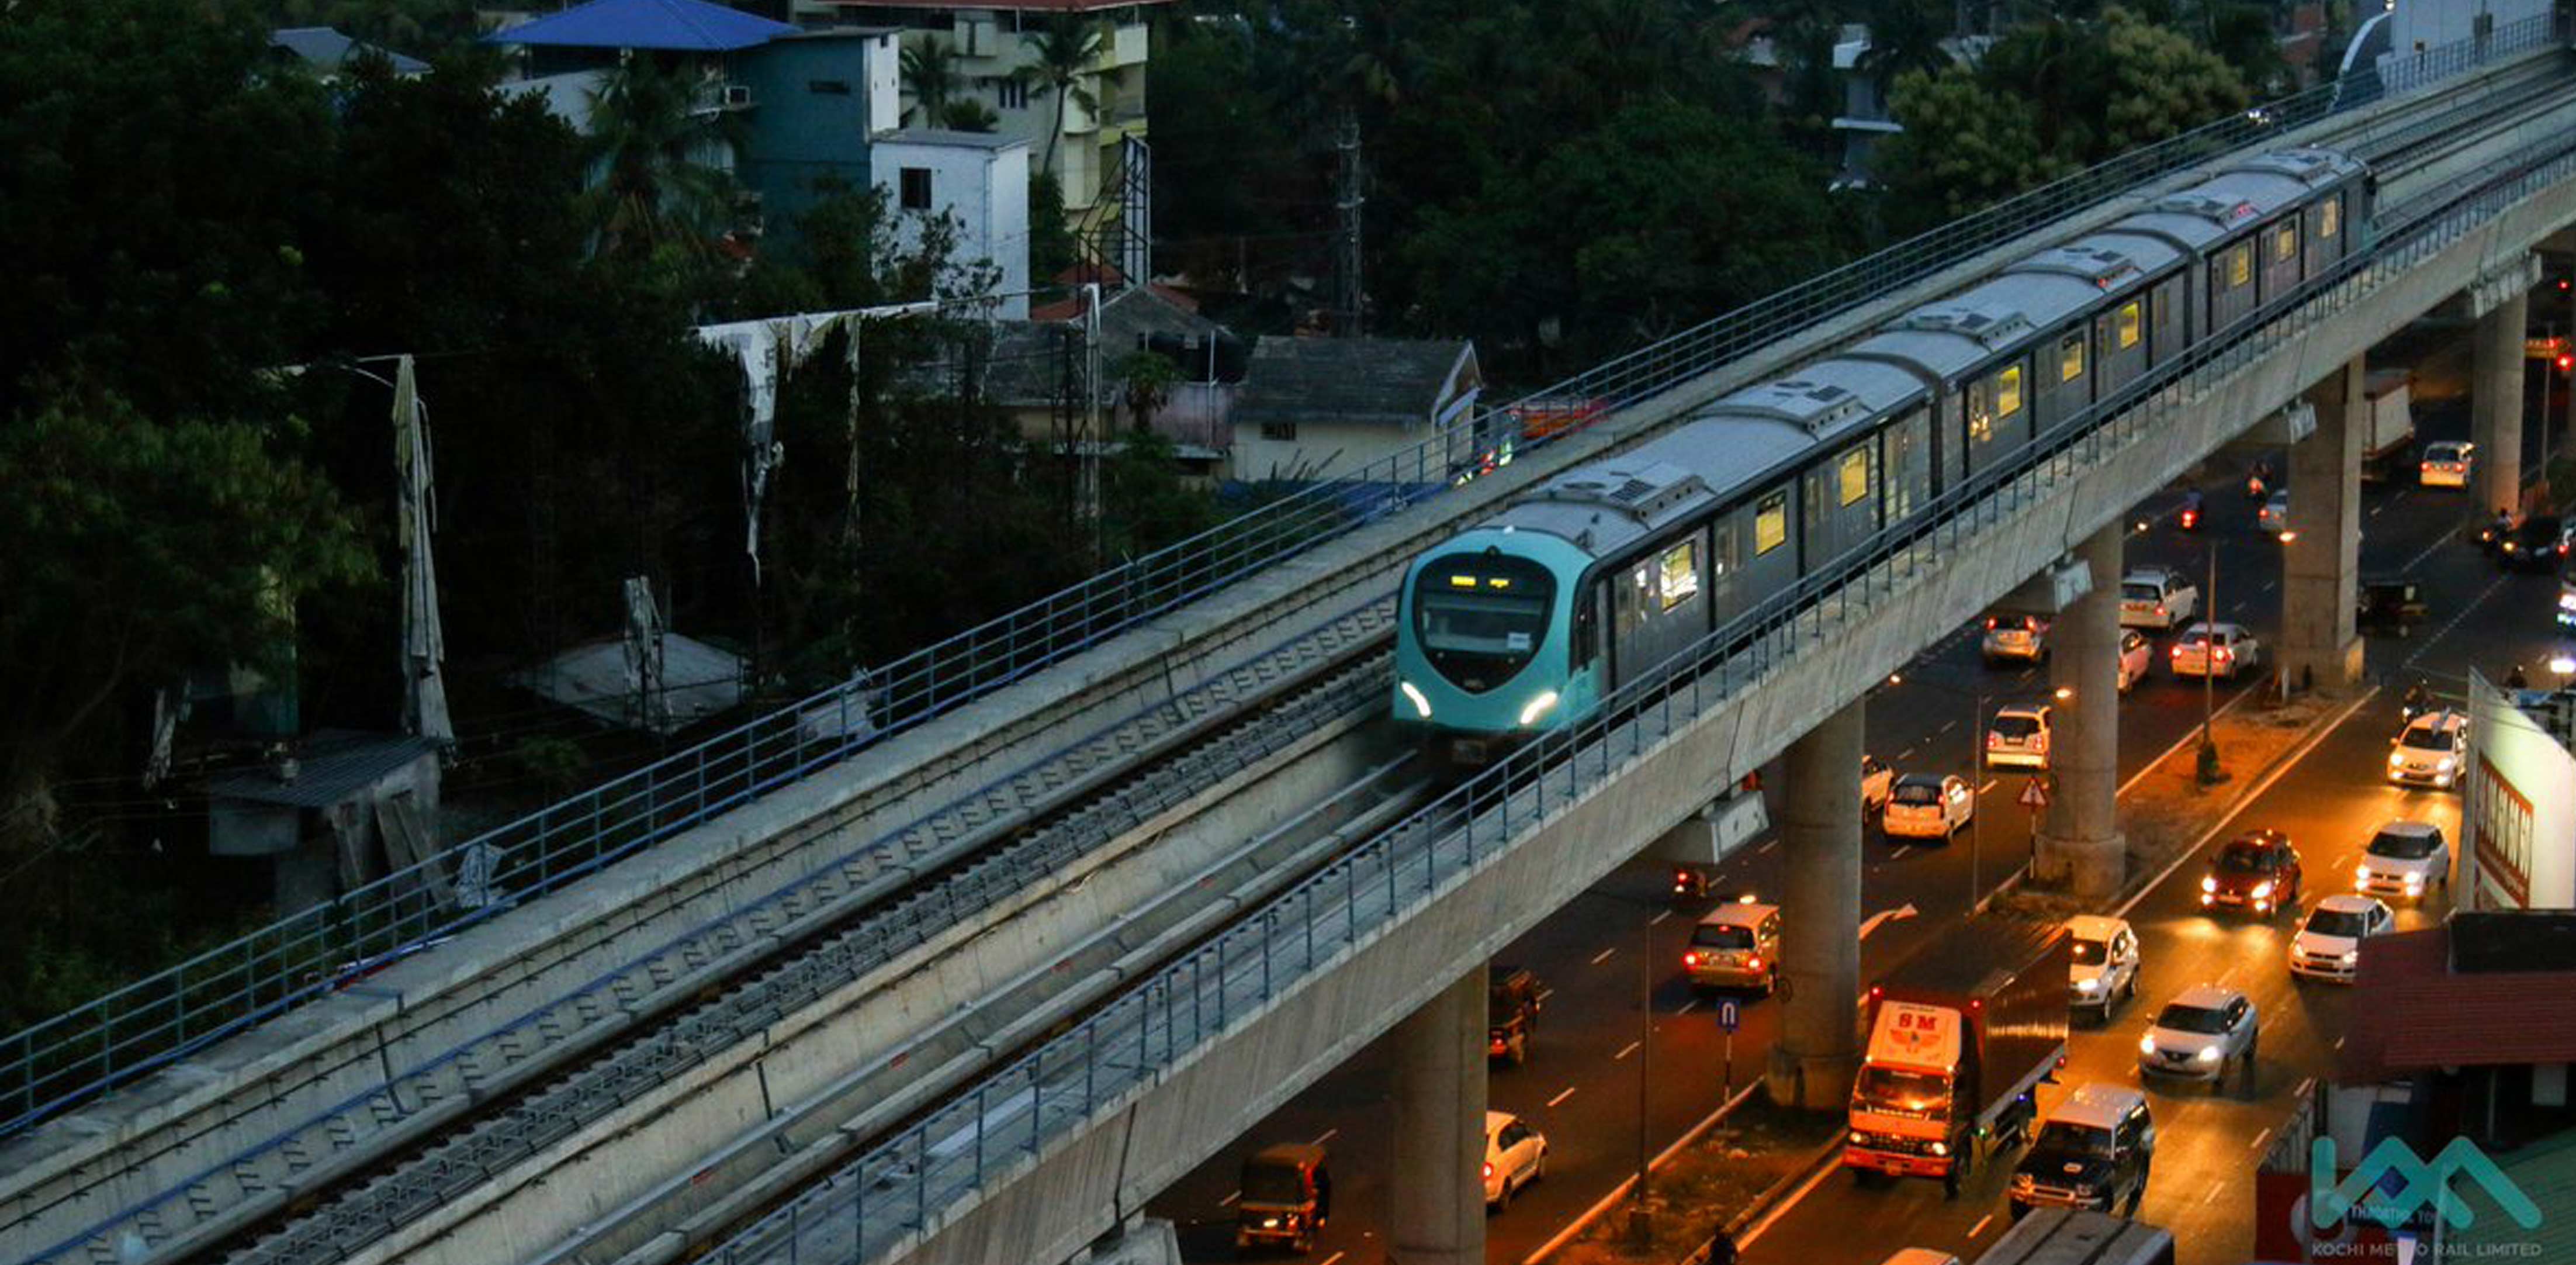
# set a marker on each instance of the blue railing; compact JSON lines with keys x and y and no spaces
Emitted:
{"x":915,"y":1180}
{"x":109,"y":1041}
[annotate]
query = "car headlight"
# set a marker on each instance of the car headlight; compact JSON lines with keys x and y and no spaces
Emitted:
{"x":1859,"y":1138}
{"x":2351,"y":956}
{"x":2208,"y":1054}
{"x":2396,"y":760}
{"x":1940,"y":1148}
{"x":2445,"y":764}
{"x":2361,"y":874}
{"x":2414,"y":880}
{"x":2146,"y":1045}
{"x":2088,"y":986}
{"x":1413,"y":695}
{"x":2209,"y":884}
{"x":2263,"y":890}
{"x":1538,"y":706}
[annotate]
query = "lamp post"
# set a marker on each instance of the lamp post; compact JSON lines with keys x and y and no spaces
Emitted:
{"x":1641,"y":1222}
{"x":1982,"y":700}
{"x":2208,"y":770}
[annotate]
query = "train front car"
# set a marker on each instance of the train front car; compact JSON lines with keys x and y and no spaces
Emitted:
{"x":1484,"y":655}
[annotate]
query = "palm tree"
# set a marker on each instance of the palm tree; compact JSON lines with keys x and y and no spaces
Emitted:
{"x":1905,"y":36}
{"x":653,"y":183}
{"x":1065,"y":51}
{"x":930,"y":75}
{"x":966,"y":114}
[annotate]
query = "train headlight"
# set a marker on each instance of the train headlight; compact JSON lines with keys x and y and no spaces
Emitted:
{"x":1535,"y":708}
{"x":1421,"y":705}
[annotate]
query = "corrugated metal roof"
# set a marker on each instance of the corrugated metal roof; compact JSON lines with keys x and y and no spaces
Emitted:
{"x":333,"y":766}
{"x":328,"y":50}
{"x":1391,"y":380}
{"x":2411,"y":1011}
{"x":998,"y":6}
{"x":2546,"y":1174}
{"x":689,"y":26}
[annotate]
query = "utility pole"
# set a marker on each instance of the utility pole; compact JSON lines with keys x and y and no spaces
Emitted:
{"x":1346,"y":260}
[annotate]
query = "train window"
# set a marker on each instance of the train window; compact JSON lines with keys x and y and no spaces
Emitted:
{"x":2070,"y":357}
{"x":1587,"y":627}
{"x":2240,"y":265}
{"x":2285,"y":242}
{"x":1981,"y":410}
{"x":1770,"y":523}
{"x":2330,"y":217}
{"x":2131,"y":319}
{"x":2008,"y":391}
{"x":1679,"y":572}
{"x":1855,"y":476}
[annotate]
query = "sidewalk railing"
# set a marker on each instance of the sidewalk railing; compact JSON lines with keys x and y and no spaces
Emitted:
{"x":913,"y":1181}
{"x":109,"y":1041}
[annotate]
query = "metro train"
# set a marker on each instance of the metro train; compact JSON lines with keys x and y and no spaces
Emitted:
{"x":1525,"y":621}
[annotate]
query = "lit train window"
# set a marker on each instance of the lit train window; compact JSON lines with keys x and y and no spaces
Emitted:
{"x":2070,"y":358}
{"x":1770,"y":523}
{"x":2285,"y":243}
{"x":2330,"y":216}
{"x":1679,"y":568}
{"x":2132,"y":321}
{"x":2008,"y":392}
{"x":2240,"y":265}
{"x":1981,"y":411}
{"x":1855,"y":476}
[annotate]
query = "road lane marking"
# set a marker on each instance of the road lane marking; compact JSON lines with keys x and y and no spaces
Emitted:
{"x":2465,"y":611}
{"x":1899,"y":854}
{"x":1767,"y":846}
{"x":2338,"y":1043}
{"x":1631,"y":1049}
{"x":2267,"y":587}
{"x":1754,"y":1231}
{"x":2212,"y":1196}
{"x":1603,"y":956}
{"x":1620,"y":1191}
{"x":1327,"y":1137}
{"x":1980,"y":1226}
{"x":2307,"y":746}
{"x":1335,"y":1258}
{"x":1905,"y":755}
{"x":2257,"y":1143}
{"x":1990,"y":785}
{"x":2302,"y":1090}
{"x":1545,"y":993}
{"x":1567,"y":1092}
{"x":1659,"y":917}
{"x":1228,"y":1201}
{"x":1685,"y":1007}
{"x":1948,"y":725}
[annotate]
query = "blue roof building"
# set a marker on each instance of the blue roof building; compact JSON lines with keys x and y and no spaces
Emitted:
{"x":676,"y":26}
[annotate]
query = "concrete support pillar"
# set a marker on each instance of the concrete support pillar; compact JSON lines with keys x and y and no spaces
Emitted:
{"x":2079,"y":845}
{"x":2320,"y":566}
{"x":1818,"y":1048}
{"x":2503,"y":306}
{"x":1437,"y":1181}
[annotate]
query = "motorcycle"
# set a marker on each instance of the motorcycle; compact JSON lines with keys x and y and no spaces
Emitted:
{"x":2189,"y":517}
{"x":2418,"y":701}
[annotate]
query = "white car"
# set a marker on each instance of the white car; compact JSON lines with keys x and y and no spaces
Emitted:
{"x":2023,"y":637}
{"x":2328,"y":945}
{"x":2105,"y":970}
{"x":2404,"y":859}
{"x":2136,"y":656}
{"x":1926,"y":807}
{"x":2018,"y":738}
{"x":1515,"y":1156}
{"x":2199,"y":1033}
{"x":2225,"y":650}
{"x":2158,"y":598}
{"x":2433,"y":751}
{"x":2447,"y":464}
{"x":1876,"y":779}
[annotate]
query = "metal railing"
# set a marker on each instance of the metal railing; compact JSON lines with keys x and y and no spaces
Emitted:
{"x":912,"y":1181}
{"x":113,"y":1039}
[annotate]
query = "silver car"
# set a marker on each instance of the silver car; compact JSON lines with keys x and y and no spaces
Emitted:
{"x":2198,"y":1034}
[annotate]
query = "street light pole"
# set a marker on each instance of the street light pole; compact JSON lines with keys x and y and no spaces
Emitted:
{"x":1976,"y":800}
{"x":1641,"y":1217}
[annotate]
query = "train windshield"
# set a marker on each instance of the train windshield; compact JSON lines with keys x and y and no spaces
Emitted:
{"x":1480,"y":617}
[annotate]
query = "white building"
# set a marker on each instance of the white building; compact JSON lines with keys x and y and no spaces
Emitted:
{"x":2518,"y":811}
{"x":982,"y":178}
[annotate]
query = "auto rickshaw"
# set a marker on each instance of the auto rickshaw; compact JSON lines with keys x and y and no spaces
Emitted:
{"x":2389,"y":604}
{"x":1287,"y":1196}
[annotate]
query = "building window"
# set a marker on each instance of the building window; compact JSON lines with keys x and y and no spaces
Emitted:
{"x":1282,"y":432}
{"x":2132,"y":322}
{"x":2070,"y":358}
{"x":916,"y":189}
{"x":1770,"y":523}
{"x":1855,"y":476}
{"x":2285,"y":242}
{"x":1680,"y":568}
{"x":2240,"y":265}
{"x":1010,"y":94}
{"x":828,"y":87}
{"x":2330,"y":217}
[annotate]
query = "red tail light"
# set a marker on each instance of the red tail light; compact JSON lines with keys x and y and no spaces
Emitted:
{"x":1877,"y":991}
{"x":1691,"y":958}
{"x":1990,"y":622}
{"x":1994,"y":740}
{"x":1753,"y":963}
{"x":2190,"y":518}
{"x":1489,"y":1172}
{"x":2175,"y":652}
{"x":2225,"y":654}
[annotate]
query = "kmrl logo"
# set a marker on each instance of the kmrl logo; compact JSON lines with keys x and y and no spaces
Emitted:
{"x":2330,"y":1201}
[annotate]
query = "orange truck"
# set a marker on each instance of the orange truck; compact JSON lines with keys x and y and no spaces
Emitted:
{"x":1960,"y":1037}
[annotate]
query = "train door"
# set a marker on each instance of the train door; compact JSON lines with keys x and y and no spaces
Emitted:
{"x":2169,"y":309}
{"x":2233,"y":293}
{"x":1660,"y":604}
{"x":1998,"y":412}
{"x":2065,"y":375}
{"x":2280,"y":252}
{"x":2119,"y":345}
{"x":1905,"y":465}
{"x":2324,"y":234}
{"x":1839,"y":511}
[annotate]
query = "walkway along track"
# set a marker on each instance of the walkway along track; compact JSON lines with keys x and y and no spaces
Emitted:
{"x":1074,"y":1130}
{"x":298,"y":1161}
